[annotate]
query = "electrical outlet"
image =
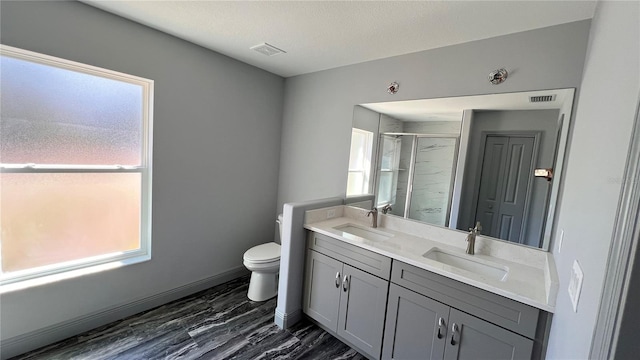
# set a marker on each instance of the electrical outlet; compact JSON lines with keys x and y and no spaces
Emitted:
{"x":560,"y":240}
{"x":575,"y":284}
{"x":331,"y":213}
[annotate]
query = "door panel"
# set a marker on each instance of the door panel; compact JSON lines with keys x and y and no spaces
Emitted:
{"x":477,"y":339}
{"x":513,"y":176}
{"x":412,"y":330}
{"x":362,"y":310}
{"x":506,"y":226}
{"x":504,"y":186}
{"x":517,"y":180}
{"x":322,"y":296}
{"x":490,"y":183}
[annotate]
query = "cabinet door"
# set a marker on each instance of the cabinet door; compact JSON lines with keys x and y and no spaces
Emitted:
{"x":323,"y":281}
{"x":362,"y":309}
{"x":477,"y":339}
{"x":416,"y":326}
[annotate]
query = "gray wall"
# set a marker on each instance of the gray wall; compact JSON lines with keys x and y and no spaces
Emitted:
{"x":217,"y":126}
{"x":543,"y":121}
{"x":433,"y":127}
{"x":318,"y":107}
{"x":601,"y":135}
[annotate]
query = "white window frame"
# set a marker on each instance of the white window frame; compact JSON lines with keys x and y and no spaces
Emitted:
{"x":367,"y":154}
{"x":145,"y":169}
{"x":394,"y":169}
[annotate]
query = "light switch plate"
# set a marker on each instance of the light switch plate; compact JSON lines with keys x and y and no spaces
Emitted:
{"x":575,"y":284}
{"x":331,"y":213}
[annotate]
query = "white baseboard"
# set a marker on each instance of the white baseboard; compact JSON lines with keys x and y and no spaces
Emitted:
{"x":30,"y":341}
{"x":284,"y":321}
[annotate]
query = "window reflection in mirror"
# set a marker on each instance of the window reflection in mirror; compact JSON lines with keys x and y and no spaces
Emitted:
{"x":360,"y":157}
{"x":453,"y":161}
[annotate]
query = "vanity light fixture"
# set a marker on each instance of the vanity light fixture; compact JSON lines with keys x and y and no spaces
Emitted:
{"x":267,"y":49}
{"x":393,"y":88}
{"x":498,"y":76}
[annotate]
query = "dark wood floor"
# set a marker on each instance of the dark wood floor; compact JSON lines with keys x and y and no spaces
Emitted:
{"x":219,"y":323}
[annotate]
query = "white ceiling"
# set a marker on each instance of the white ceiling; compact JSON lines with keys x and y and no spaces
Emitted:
{"x":319,"y":35}
{"x":451,"y":108}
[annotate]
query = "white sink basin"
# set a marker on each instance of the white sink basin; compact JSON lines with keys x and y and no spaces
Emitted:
{"x":469,"y":263}
{"x":351,"y":230}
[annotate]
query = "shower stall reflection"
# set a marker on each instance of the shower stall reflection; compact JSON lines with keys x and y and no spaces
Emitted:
{"x":416,"y":175}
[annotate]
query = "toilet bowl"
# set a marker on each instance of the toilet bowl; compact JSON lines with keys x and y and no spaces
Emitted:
{"x":264,"y":263}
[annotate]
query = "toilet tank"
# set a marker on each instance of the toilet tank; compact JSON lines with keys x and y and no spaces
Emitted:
{"x":279,"y":221}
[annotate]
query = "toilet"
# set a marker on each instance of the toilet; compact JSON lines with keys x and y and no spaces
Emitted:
{"x":264,"y":263}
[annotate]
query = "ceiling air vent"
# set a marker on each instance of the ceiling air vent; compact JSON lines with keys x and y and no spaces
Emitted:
{"x":267,"y":49}
{"x":542,"y":98}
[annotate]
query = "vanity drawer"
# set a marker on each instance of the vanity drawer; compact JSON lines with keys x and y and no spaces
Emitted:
{"x":507,"y":313}
{"x":362,"y":259}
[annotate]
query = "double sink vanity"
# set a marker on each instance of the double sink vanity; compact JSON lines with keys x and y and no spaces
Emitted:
{"x":409,"y":290}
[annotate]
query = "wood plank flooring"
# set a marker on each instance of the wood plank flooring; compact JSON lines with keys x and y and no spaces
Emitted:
{"x":218,"y":323}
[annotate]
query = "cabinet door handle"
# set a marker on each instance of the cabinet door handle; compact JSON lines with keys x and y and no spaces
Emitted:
{"x":441,"y":326}
{"x":454,"y":330}
{"x":345,"y":283}
{"x":338,"y":279}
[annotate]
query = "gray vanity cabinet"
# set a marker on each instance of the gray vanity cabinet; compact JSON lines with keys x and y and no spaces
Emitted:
{"x":405,"y":312}
{"x":344,"y":299}
{"x":416,"y":326}
{"x":362,"y":307}
{"x":433,"y":317}
{"x":470,"y":338}
{"x":323,"y":283}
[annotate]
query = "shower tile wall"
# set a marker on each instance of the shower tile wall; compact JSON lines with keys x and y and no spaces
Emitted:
{"x":432,"y":180}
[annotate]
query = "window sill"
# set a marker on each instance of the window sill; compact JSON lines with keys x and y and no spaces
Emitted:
{"x":49,"y":279}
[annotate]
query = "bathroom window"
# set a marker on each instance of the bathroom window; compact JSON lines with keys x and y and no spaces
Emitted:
{"x":358,"y":181}
{"x":75,"y":166}
{"x":388,"y":175}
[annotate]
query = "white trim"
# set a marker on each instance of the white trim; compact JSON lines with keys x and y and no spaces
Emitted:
{"x":564,"y":125}
{"x":26,"y":342}
{"x":29,"y":277}
{"x":456,"y":195}
{"x":621,"y":258}
{"x":285,"y":321}
{"x":74,"y":66}
{"x":51,"y":273}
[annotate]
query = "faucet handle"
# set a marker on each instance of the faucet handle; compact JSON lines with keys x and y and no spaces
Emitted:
{"x":478,"y":227}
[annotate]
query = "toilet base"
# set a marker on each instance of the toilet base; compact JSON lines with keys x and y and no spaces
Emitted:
{"x":263,"y":286}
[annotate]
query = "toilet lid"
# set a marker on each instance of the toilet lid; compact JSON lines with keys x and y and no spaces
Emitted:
{"x":263,"y":253}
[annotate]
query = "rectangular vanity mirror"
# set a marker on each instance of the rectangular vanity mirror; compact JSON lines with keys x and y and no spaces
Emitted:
{"x":452,"y":162}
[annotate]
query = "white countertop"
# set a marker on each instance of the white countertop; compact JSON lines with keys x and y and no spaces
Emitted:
{"x":531,"y":277}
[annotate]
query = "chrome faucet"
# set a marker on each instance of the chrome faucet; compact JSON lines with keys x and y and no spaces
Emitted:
{"x":374,"y":211}
{"x":471,"y":238}
{"x":385,"y":209}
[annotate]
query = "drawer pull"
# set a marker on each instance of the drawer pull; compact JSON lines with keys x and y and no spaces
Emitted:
{"x":338,"y":279}
{"x":441,"y":325}
{"x":454,"y":330}
{"x":345,"y":283}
